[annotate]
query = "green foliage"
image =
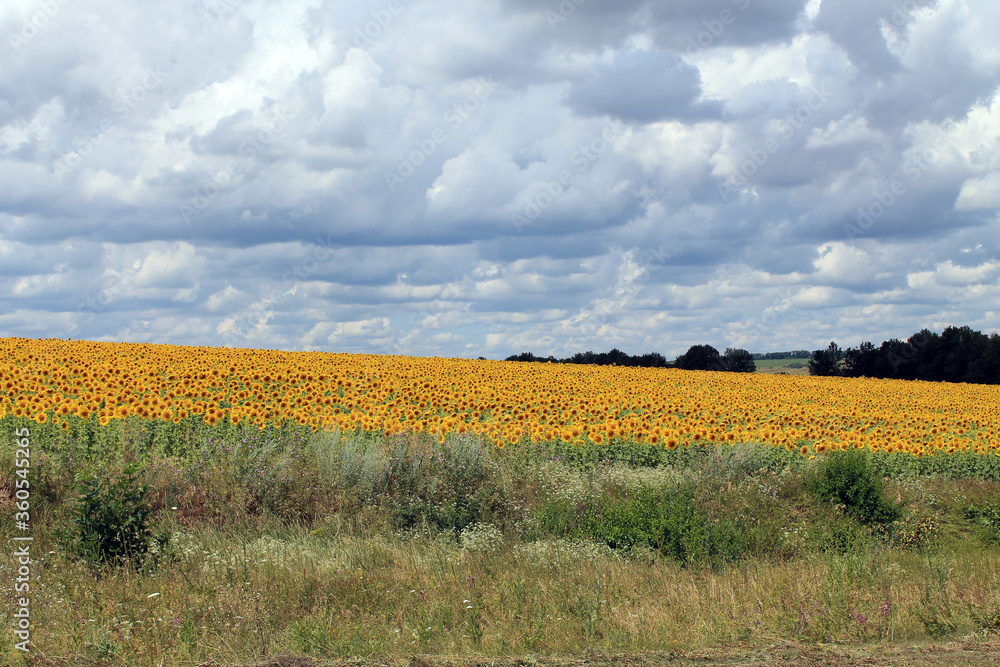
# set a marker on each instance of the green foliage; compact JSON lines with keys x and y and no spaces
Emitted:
{"x":112,"y":518}
{"x":842,"y":535}
{"x":667,"y":520}
{"x":701,"y":358}
{"x":848,"y":478}
{"x":827,"y":362}
{"x":589,"y":457}
{"x":726,"y":462}
{"x":987,"y":519}
{"x":453,"y":514}
{"x":957,"y":354}
{"x":737,"y":360}
{"x":447,"y":485}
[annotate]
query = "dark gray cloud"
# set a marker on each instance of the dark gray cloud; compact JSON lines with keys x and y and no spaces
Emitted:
{"x":683,"y":25}
{"x":643,"y":87}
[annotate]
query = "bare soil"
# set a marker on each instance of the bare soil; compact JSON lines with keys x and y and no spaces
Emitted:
{"x":789,"y":654}
{"x":970,"y":653}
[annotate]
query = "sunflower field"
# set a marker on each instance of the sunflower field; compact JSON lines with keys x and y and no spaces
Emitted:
{"x":197,"y":505}
{"x":54,"y":381}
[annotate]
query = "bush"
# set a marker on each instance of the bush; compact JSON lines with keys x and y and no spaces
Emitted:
{"x":987,"y":519}
{"x":666,"y":520}
{"x":848,"y":478}
{"x":448,"y":485}
{"x":112,"y":518}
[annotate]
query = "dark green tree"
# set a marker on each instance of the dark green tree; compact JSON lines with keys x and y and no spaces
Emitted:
{"x":861,"y":361}
{"x":738,"y":360}
{"x":651,"y":360}
{"x":700,"y":358}
{"x":826,"y":362}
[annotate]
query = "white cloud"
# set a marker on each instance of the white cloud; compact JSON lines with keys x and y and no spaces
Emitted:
{"x":840,"y":263}
{"x":276,"y":127}
{"x":171,"y":267}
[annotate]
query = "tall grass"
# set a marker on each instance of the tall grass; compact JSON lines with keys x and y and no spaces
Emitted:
{"x":336,"y":544}
{"x":236,"y":596}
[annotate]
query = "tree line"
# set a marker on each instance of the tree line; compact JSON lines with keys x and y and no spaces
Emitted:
{"x":958,"y":354}
{"x":794,"y":354}
{"x":697,"y":358}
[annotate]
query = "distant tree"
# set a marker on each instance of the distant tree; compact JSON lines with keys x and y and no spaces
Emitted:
{"x":617,"y":358}
{"x":588,"y":357}
{"x":826,"y":362}
{"x":925,"y":357}
{"x":524,"y":356}
{"x":958,"y":354}
{"x":651,"y":360}
{"x":991,"y":359}
{"x":794,"y":354}
{"x":700,"y":358}
{"x":738,"y":360}
{"x":892,"y":354}
{"x":964,"y":350}
{"x":861,"y":362}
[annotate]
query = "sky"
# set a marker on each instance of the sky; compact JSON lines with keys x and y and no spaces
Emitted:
{"x":482,"y":178}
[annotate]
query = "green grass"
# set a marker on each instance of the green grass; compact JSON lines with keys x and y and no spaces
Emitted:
{"x":790,"y":366}
{"x":328,"y":545}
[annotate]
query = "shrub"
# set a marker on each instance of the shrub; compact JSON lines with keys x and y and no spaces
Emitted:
{"x":112,"y":518}
{"x":987,"y":519}
{"x":449,"y":484}
{"x":849,"y":479}
{"x":666,"y":520}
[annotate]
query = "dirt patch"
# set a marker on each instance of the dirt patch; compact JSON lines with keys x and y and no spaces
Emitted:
{"x":784,"y":654}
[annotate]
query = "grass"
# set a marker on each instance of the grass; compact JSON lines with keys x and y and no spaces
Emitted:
{"x":284,"y":542}
{"x":789,"y":366}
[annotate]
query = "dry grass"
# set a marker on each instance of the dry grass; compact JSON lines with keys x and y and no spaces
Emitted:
{"x":303,"y":555}
{"x":321,"y":595}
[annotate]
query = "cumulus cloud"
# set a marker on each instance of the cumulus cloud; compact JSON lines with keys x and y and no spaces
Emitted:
{"x":459,"y":179}
{"x":643,"y":87}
